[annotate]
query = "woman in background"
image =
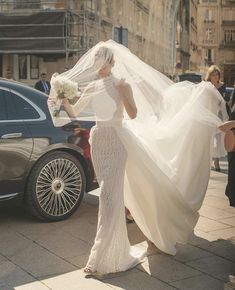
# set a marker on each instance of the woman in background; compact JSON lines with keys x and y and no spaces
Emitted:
{"x":230,"y":188}
{"x":213,"y":76}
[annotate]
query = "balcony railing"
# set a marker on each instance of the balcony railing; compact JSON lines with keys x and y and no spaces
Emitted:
{"x":228,"y":44}
{"x":228,"y":23}
{"x":208,"y":41}
{"x":209,"y":21}
{"x":228,"y":2}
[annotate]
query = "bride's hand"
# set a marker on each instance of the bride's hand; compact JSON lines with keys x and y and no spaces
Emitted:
{"x":123,"y":87}
{"x":227,"y":126}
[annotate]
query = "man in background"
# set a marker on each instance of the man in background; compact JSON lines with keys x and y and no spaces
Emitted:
{"x":43,"y":85}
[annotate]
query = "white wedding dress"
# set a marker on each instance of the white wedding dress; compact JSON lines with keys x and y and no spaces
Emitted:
{"x":163,"y":156}
{"x":111,"y":251}
{"x":164,"y":182}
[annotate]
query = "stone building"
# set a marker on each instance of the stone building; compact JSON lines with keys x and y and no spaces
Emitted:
{"x":188,"y":55}
{"x":216,"y":36}
{"x":51,"y":35}
{"x":182,"y":37}
{"x":193,"y":48}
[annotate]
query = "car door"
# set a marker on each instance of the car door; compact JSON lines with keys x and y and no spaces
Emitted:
{"x":16,"y":143}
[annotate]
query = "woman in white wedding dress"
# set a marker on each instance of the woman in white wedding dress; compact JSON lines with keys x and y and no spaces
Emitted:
{"x":163,"y":155}
{"x":111,"y":251}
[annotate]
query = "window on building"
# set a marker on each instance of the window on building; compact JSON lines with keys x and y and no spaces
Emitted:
{"x":209,"y":54}
{"x":209,"y":59}
{"x":208,"y":14}
{"x":28,"y":66}
{"x":229,"y":36}
{"x":34,"y":67}
{"x":23,"y":67}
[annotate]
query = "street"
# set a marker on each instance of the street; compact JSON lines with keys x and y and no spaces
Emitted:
{"x":40,"y":256}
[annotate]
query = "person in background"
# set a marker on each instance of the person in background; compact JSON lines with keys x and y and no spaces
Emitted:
{"x":213,"y":76}
{"x":43,"y":85}
{"x":232,"y":102}
{"x":230,"y":188}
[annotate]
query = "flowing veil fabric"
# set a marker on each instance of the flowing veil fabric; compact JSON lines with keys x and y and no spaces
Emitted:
{"x":169,"y":143}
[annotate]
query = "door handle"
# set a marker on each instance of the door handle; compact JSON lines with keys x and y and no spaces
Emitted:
{"x":11,"y":135}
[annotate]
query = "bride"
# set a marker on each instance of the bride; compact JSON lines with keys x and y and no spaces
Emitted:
{"x":151,"y":150}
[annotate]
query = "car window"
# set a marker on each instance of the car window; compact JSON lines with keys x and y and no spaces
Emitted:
{"x":3,"y":115}
{"x":190,"y":77}
{"x":18,"y":108}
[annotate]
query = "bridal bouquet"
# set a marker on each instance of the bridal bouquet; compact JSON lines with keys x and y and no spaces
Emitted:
{"x":65,"y":88}
{"x":62,"y":88}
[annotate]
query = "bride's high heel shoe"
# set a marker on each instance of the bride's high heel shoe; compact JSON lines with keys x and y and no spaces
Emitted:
{"x":87,"y":270}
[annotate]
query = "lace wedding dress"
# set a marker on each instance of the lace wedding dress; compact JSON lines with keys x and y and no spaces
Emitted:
{"x":111,"y":251}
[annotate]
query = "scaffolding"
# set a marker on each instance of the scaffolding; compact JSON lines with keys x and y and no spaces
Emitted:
{"x":47,"y":27}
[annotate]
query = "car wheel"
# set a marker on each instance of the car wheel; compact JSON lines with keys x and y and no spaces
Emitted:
{"x":56,"y":186}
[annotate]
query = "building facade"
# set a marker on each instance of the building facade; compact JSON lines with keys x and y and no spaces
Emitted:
{"x":51,"y":35}
{"x":216,"y":37}
{"x":182,"y":37}
{"x":226,"y":57}
{"x":193,"y":36}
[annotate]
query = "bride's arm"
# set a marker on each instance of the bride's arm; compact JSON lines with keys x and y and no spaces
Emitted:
{"x":82,"y":102}
{"x":127,"y":99}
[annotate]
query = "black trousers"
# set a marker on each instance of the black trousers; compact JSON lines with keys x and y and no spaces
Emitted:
{"x":230,"y":188}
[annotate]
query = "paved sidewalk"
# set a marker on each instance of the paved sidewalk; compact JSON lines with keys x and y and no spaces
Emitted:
{"x":42,"y":256}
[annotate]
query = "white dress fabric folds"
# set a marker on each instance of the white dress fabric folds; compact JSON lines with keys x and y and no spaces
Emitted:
{"x":168,"y":164}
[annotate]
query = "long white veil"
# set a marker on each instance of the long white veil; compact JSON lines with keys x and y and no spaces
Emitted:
{"x":167,"y":112}
{"x":169,"y":143}
{"x":147,"y":84}
{"x":153,"y":92}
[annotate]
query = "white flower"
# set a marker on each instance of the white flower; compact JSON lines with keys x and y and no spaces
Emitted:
{"x":65,"y":88}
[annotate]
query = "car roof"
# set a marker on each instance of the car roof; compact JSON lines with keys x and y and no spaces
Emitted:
{"x":9,"y":82}
{"x":23,"y":88}
{"x":32,"y":94}
{"x":191,"y":73}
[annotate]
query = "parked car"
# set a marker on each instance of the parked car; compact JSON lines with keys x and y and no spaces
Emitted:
{"x":192,"y":77}
{"x":229,"y":92}
{"x":49,"y":168}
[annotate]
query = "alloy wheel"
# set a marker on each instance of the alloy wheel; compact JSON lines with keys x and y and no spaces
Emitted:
{"x":58,"y":187}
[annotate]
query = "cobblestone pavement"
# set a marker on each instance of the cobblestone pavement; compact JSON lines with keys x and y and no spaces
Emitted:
{"x":40,"y":256}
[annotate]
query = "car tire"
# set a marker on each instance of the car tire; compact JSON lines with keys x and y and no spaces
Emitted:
{"x":55,"y":187}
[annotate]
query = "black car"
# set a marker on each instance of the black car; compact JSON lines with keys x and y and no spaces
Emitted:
{"x":229,"y":93}
{"x":192,"y":77}
{"x":49,"y":168}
